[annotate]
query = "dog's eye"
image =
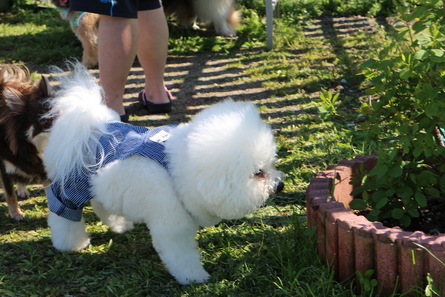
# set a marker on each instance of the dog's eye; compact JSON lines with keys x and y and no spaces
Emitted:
{"x":260,"y":173}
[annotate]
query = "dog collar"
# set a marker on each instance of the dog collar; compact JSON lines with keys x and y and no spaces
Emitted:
{"x":64,"y":14}
{"x":77,"y":18}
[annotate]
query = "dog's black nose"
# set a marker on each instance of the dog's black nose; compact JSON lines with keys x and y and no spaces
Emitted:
{"x":280,"y":187}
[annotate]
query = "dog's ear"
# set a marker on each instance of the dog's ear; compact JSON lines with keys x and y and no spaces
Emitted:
{"x":44,"y":87}
{"x":40,"y":141}
{"x":13,"y":99}
{"x":14,"y":102}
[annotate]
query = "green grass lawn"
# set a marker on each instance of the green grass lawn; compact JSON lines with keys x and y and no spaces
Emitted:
{"x":269,"y":253}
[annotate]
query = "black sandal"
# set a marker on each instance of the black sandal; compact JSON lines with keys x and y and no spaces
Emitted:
{"x":124,"y":118}
{"x":154,"y":108}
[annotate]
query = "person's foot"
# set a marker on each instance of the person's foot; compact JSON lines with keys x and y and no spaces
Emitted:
{"x":156,"y":108}
{"x":124,"y":118}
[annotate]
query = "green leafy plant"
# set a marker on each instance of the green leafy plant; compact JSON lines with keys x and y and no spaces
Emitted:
{"x":405,"y":117}
{"x":368,"y":284}
{"x":328,"y":106}
{"x":430,"y":289}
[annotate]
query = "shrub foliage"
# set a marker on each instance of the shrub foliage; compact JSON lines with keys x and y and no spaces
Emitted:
{"x":406,"y":116}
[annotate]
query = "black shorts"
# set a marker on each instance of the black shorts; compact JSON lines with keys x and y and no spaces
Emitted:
{"x":118,"y":8}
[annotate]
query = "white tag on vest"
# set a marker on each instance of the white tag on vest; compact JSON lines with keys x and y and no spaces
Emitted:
{"x":161,"y":136}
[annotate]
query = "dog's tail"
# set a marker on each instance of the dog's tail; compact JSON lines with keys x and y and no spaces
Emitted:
{"x":80,"y":119}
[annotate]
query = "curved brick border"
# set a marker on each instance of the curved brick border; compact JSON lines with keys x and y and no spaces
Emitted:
{"x":349,"y":242}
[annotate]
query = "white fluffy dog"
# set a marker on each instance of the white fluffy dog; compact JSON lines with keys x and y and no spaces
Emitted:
{"x":220,"y":13}
{"x":218,"y":166}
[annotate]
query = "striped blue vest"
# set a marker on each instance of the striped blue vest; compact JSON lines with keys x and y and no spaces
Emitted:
{"x":125,"y":140}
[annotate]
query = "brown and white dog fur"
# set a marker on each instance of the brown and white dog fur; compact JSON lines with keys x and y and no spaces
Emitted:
{"x":22,"y":105}
{"x":221,"y":13}
{"x":85,"y":26}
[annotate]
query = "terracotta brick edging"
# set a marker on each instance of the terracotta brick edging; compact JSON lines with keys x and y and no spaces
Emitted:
{"x":351,"y":243}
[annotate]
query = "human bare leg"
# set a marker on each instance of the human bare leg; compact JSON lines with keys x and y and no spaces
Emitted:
{"x":152,"y":53}
{"x":118,"y":41}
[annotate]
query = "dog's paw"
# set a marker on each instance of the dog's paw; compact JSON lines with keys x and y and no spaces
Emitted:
{"x":16,"y":214}
{"x":195,"y":26}
{"x":89,"y":62}
{"x":226,"y":33}
{"x":70,"y":244}
{"x":224,"y":29}
{"x":22,"y":192}
{"x":66,"y":235}
{"x":119,"y":224}
{"x":200,"y":277}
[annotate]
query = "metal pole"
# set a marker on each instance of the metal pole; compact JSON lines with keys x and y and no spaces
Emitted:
{"x":269,"y":23}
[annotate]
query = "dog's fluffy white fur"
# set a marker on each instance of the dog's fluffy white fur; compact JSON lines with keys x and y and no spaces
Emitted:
{"x":221,"y":13}
{"x":220,"y":167}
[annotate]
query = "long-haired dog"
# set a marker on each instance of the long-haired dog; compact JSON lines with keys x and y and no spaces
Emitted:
{"x":172,"y":178}
{"x":22,"y":105}
{"x":221,"y":13}
{"x":85,"y":26}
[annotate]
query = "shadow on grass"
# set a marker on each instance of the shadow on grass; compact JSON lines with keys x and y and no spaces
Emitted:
{"x":127,"y":264}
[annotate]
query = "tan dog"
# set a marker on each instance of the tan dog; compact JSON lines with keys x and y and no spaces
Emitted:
{"x":85,"y":26}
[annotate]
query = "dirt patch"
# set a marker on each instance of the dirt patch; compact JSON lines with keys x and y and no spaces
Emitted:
{"x":196,"y":82}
